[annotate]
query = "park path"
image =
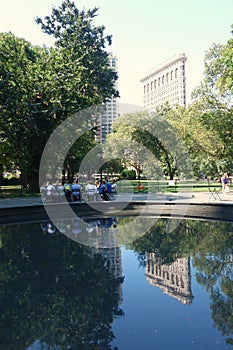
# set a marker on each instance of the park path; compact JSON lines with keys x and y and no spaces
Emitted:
{"x":182,"y":197}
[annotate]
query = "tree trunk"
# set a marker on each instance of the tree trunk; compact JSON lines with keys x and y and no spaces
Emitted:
{"x":33,"y":182}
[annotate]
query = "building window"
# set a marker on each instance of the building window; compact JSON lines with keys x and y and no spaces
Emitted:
{"x":155,"y":83}
{"x":167,"y":77}
{"x":144,"y":89}
{"x":159,"y":82}
{"x":171,"y":74}
{"x":176,"y":73}
{"x":182,"y":70}
{"x":163,"y":79}
{"x":151,"y":85}
{"x":148,"y":87}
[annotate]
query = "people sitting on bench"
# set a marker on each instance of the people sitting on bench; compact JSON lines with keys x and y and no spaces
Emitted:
{"x":76,"y":191}
{"x":91,"y":191}
{"x":103,"y":191}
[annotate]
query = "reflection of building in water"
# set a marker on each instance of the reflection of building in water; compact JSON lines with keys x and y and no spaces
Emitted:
{"x":99,"y":234}
{"x":111,"y":254}
{"x":113,"y":259}
{"x":173,"y":279}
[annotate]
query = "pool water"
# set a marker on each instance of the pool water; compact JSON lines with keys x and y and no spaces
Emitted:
{"x":163,"y":291}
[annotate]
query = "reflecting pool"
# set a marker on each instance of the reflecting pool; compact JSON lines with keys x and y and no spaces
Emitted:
{"x":162,"y":291}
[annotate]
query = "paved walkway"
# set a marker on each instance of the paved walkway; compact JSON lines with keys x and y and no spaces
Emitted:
{"x":195,"y":197}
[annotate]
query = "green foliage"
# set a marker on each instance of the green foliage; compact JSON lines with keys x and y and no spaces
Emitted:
{"x":55,"y":291}
{"x":142,"y":139}
{"x":20,"y":120}
{"x":41,"y":87}
{"x":83,"y":69}
{"x":211,"y":247}
{"x":213,"y":98}
{"x":113,"y":166}
{"x":203,"y":143}
{"x":128,"y":174}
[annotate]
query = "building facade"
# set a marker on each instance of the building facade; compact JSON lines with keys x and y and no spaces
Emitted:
{"x":110,"y":109}
{"x":165,"y":83}
{"x":173,"y":279}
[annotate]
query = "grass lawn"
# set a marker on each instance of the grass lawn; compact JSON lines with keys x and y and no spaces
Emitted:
{"x":153,"y":186}
{"x":15,"y":191}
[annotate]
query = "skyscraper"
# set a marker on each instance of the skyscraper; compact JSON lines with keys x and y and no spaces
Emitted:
{"x":110,"y":109}
{"x":173,"y":279}
{"x":165,"y":83}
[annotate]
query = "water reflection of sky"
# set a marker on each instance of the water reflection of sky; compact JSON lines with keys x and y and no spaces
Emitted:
{"x":162,"y":291}
{"x":154,"y":320}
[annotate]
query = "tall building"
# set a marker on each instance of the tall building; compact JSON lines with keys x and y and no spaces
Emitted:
{"x":104,"y":242}
{"x":165,"y":83}
{"x":110,"y":109}
{"x":173,"y":279}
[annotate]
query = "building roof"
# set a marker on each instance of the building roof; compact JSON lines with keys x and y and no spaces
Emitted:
{"x":180,"y":56}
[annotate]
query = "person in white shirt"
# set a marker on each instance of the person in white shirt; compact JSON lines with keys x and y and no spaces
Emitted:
{"x":114,"y":186}
{"x":91,"y":191}
{"x":50,"y":190}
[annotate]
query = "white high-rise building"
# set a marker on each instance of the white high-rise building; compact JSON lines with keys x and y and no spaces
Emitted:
{"x":173,"y":279}
{"x":165,"y":83}
{"x":110,"y":110}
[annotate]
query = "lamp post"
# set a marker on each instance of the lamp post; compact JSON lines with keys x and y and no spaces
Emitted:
{"x":101,"y":130}
{"x":139,"y":176}
{"x":1,"y":178}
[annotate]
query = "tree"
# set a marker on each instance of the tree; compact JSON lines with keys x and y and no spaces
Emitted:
{"x":18,"y":101}
{"x":82,"y":76}
{"x":202,"y":143}
{"x":214,"y":99}
{"x":56,"y":291}
{"x":113,"y":166}
{"x":120,"y":144}
{"x":41,"y":87}
{"x":83,"y":70}
{"x":139,"y":136}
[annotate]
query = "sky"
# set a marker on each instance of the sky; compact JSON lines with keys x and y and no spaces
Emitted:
{"x":144,"y":33}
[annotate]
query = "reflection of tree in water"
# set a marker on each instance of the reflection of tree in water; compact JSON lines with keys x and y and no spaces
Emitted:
{"x":211,"y":246}
{"x":214,"y":263}
{"x":169,"y":246}
{"x":222,"y":306}
{"x":52,"y":291}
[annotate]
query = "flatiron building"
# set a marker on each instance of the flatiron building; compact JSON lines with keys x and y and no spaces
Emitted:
{"x":165,"y":83}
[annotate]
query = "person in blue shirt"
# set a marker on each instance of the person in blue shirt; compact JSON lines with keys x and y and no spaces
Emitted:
{"x":103,"y":190}
{"x":76,"y":191}
{"x":109,"y":186}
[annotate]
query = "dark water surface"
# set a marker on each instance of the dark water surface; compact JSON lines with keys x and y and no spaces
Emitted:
{"x":163,"y":291}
